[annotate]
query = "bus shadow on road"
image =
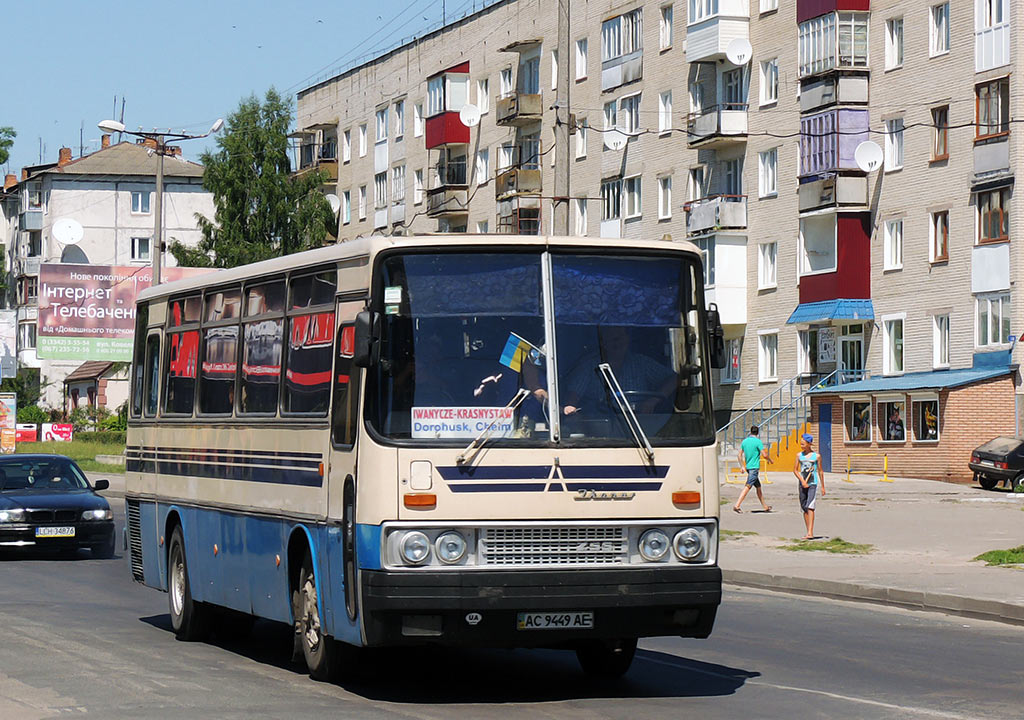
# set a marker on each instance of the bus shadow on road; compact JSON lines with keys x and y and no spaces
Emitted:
{"x":428,"y":675}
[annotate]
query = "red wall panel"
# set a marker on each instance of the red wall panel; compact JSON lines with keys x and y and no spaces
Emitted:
{"x":852,"y":278}
{"x":446,"y":129}
{"x":807,"y":9}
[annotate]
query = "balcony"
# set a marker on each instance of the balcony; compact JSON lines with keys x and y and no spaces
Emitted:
{"x":992,"y":46}
{"x":991,"y":158}
{"x":717,"y":212}
{"x":835,"y":256}
{"x":517,"y":181}
{"x":830,"y":139}
{"x":450,"y":194}
{"x":807,"y":9}
{"x":519,"y":109}
{"x":446,"y":129}
{"x":725,"y":255}
{"x":835,"y":191}
{"x":708,"y":37}
{"x":31,"y":219}
{"x":519,"y":215}
{"x":717,"y":126}
{"x":837,"y":87}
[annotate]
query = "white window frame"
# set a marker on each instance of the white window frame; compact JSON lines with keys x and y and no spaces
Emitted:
{"x":889,"y":325}
{"x":769,"y":82}
{"x":611,"y":198}
{"x":848,"y":416}
{"x":581,"y":59}
{"x":579,"y":212}
{"x":136,"y":253}
{"x":482,"y":227}
{"x":144,"y":206}
{"x":732,"y":375}
{"x":362,"y":140}
{"x":611,"y":115}
{"x":623,"y":34}
{"x":941,"y":338}
{"x":346,"y":146}
{"x":894,"y":43}
{"x":581,"y":138}
{"x":417,"y":186}
{"x":707,"y":246}
{"x":821,"y":42}
{"x":991,"y":302}
{"x":417,"y":120}
{"x":27,"y":335}
{"x":938,"y":30}
{"x":767,"y":266}
{"x":362,"y":202}
{"x":398,"y":185}
{"x":894,"y":144}
{"x":381,"y":124}
{"x":506,"y":83}
{"x":767,"y":355}
{"x":632,"y":191}
{"x":700,"y":10}
{"x":665,"y":197}
{"x":554,"y":69}
{"x":768,"y":173}
{"x":435,"y":95}
{"x":769,"y":5}
{"x":892,"y":246}
{"x":803,"y":351}
{"x":346,"y":207}
{"x":933,"y":232}
{"x":803,"y":258}
{"x":483,"y":95}
{"x":483,"y":166}
{"x":665,"y":112}
{"x":380,"y":190}
{"x":695,"y":179}
{"x":921,"y":398}
{"x":665,"y":30}
{"x":629,"y":113}
{"x":399,"y":110}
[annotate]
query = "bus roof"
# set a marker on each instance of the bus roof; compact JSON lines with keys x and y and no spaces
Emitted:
{"x":367,"y":247}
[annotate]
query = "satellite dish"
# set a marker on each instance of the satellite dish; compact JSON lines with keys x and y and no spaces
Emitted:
{"x":67,"y":231}
{"x":470,"y":115}
{"x":615,"y":139}
{"x":334,"y":202}
{"x":739,"y":51}
{"x":868,"y":156}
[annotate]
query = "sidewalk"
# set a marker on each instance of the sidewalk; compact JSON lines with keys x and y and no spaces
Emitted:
{"x":924,"y":535}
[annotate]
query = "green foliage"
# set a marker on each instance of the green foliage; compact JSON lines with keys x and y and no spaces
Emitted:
{"x":103,"y":437}
{"x":261,"y":210}
{"x":836,"y":546}
{"x":7,"y":136}
{"x":32,"y":414}
{"x":88,"y":418}
{"x":1013,"y":556}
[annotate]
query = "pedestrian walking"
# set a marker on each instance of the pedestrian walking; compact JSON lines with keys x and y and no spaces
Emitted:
{"x":751,"y":452}
{"x":807,"y":469}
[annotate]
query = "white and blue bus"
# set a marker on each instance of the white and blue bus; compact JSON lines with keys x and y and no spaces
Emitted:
{"x":460,"y":440}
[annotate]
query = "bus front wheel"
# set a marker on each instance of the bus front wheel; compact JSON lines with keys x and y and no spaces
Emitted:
{"x":606,"y":658}
{"x":319,"y":650}
{"x":189,"y":619}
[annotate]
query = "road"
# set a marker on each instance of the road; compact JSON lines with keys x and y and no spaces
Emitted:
{"x":80,"y":639}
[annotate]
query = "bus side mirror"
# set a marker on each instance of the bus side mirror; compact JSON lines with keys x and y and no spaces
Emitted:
{"x":367,"y":335}
{"x":716,"y":338}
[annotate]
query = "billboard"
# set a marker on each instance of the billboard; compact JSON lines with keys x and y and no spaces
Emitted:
{"x":8,"y":343}
{"x":8,"y":422}
{"x":87,"y":312}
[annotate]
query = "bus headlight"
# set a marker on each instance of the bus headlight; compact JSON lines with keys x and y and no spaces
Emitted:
{"x":689,"y":543}
{"x":653,"y":545}
{"x":450,"y":548}
{"x":415,"y":548}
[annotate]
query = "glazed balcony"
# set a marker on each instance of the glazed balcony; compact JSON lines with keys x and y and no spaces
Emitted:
{"x":836,"y":87}
{"x":709,"y":33}
{"x":835,"y":191}
{"x":518,"y":109}
{"x":717,"y":126}
{"x":716,"y":212}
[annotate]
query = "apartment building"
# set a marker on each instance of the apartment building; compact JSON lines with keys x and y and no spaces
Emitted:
{"x":885,"y":292}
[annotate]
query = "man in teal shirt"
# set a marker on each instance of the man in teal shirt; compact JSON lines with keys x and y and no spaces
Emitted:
{"x":751,"y":452}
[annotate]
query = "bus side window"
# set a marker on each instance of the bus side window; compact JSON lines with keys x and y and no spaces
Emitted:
{"x":346,"y":388}
{"x":139,"y":359}
{"x":152,"y":374}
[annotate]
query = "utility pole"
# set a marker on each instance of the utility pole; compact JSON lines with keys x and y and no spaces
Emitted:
{"x":562,"y":124}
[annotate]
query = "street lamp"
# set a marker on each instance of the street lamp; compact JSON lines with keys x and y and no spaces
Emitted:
{"x":161,"y":139}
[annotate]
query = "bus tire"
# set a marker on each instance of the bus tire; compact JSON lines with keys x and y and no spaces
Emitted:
{"x":190,"y":620}
{"x":319,"y":650}
{"x":606,"y":658}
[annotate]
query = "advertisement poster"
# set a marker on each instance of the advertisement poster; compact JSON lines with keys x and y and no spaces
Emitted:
{"x":8,"y":421}
{"x":8,"y":343}
{"x":27,"y":432}
{"x":60,"y":432}
{"x":87,"y":312}
{"x":826,"y":345}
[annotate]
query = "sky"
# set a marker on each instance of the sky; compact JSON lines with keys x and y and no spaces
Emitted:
{"x":179,"y":65}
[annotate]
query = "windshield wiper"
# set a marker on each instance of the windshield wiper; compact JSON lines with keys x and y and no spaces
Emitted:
{"x":639,"y":436}
{"x":478,"y":442}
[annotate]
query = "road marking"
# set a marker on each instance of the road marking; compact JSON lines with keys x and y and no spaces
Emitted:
{"x":834,"y":696}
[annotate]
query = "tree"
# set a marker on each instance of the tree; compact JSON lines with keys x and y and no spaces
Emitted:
{"x":261,"y":210}
{"x":7,"y":136}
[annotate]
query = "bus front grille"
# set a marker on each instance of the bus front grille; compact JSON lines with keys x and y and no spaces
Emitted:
{"x":134,"y":523}
{"x":554,"y":546}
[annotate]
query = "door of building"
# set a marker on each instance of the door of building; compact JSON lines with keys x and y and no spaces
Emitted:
{"x":851,"y":358}
{"x":825,"y":436}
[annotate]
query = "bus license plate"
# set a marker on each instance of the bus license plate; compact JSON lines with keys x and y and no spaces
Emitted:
{"x":572,"y":620}
{"x":55,"y":531}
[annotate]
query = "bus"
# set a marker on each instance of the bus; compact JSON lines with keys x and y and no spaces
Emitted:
{"x":461,"y":440}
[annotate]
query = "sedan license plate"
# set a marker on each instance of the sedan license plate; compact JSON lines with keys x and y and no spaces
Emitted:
{"x":987,"y":463}
{"x":572,"y":620}
{"x":56,"y":531}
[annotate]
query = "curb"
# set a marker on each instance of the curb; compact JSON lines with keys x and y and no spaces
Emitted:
{"x":910,"y":599}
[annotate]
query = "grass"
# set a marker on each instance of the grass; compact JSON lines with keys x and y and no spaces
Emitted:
{"x":836,"y":546}
{"x":83,"y":452}
{"x":734,"y":533}
{"x":1013,"y":556}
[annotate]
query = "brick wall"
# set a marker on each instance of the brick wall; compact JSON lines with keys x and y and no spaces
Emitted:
{"x":968,"y":416}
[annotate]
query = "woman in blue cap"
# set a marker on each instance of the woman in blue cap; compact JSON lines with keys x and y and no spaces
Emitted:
{"x":808,"y":471}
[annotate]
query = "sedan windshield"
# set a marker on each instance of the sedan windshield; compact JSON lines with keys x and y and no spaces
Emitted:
{"x":44,"y":474}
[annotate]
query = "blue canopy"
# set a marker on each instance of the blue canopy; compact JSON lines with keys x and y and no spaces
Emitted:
{"x":841,"y":309}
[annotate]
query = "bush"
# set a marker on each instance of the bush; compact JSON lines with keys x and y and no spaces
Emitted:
{"x":88,"y":418}
{"x":33,"y":414}
{"x":103,"y":436}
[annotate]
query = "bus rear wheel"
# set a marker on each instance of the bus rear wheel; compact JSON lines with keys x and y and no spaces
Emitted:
{"x":606,"y":658}
{"x":318,"y":649}
{"x":190,"y":620}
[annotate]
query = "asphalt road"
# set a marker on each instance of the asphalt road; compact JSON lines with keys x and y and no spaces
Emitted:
{"x":80,"y":639}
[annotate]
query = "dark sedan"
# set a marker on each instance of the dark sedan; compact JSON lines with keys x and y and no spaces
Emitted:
{"x":999,"y":460}
{"x":46,"y":503}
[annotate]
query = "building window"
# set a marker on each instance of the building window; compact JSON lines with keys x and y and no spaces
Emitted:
{"x":807,"y":346}
{"x":817,"y":244}
{"x":581,"y":59}
{"x":702,"y":9}
{"x":581,"y":138}
{"x":483,"y":95}
{"x":483,"y":166}
{"x":34,"y":247}
{"x":893,"y":250}
{"x":734,"y":176}
{"x":993,"y":108}
{"x":611,"y":116}
{"x":481,"y":227}
{"x":554,"y":69}
{"x":940,"y":133}
{"x":399,"y":119}
{"x":940,"y":341}
{"x":140,"y":248}
{"x":926,"y":419}
{"x":505,"y":82}
{"x":893,"y":43}
{"x":767,"y":173}
{"x":768,"y":355}
{"x":939,"y":236}
{"x":579,"y":207}
{"x":695,"y":184}
{"x":417,"y":119}
{"x":380,"y":190}
{"x":529,"y":76}
{"x":993,"y":215}
{"x":891,"y":417}
{"x":26,"y":336}
{"x":665,"y":112}
{"x":665,"y":198}
{"x":346,"y":146}
{"x":632,"y":187}
{"x":858,"y":420}
{"x":505,"y":154}
{"x":28,"y":289}
{"x":611,"y":199}
{"x":362,"y":141}
{"x":707,"y":256}
{"x":362,"y":202}
{"x":769,"y":5}
{"x":417,"y":187}
{"x":382,"y":125}
{"x":893,"y":144}
{"x":629,"y":113}
{"x":993,"y":320}
{"x":398,"y":185}
{"x":346,"y":207}
{"x":665,"y":28}
{"x":892,"y":346}
{"x":623,"y":35}
{"x":140,"y":202}
{"x":938,"y":26}
{"x":767,"y":254}
{"x":769,"y":81}
{"x":733,"y":350}
{"x":835,"y":34}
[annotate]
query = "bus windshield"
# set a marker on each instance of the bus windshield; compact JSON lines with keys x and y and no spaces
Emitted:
{"x":463,"y":332}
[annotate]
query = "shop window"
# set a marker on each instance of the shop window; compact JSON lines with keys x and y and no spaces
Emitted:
{"x":731,"y":371}
{"x":858,"y":420}
{"x":926,"y":420}
{"x":892,"y":420}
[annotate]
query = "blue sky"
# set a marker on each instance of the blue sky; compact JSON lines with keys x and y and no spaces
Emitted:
{"x":181,"y":66}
